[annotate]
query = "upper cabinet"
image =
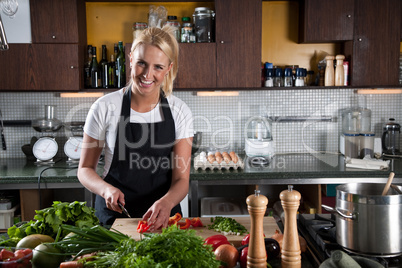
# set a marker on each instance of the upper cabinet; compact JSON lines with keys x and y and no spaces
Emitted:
{"x":54,"y":60}
{"x":58,"y":21}
{"x":374,"y":51}
{"x":234,"y":60}
{"x":326,"y":21}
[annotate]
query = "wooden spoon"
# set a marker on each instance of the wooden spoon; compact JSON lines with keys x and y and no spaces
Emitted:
{"x":388,"y":184}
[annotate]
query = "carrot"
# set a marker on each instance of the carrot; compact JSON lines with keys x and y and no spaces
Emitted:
{"x":71,"y":264}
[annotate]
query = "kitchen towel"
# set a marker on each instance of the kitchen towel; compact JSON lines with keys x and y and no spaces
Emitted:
{"x":367,"y":163}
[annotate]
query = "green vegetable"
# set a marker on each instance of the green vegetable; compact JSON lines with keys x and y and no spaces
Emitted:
{"x":227,"y":226}
{"x":47,"y":221}
{"x":173,"y":247}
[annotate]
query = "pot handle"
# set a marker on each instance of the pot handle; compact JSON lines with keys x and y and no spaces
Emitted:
{"x":340,"y":213}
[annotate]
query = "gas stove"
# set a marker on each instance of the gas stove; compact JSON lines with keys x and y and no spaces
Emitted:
{"x":319,"y":231}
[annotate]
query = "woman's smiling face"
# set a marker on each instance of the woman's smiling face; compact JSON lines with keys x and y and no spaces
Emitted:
{"x":149,"y":67}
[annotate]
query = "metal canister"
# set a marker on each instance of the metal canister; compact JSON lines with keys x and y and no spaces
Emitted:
{"x":204,"y":24}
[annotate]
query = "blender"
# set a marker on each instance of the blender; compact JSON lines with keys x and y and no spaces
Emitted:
{"x":259,"y":144}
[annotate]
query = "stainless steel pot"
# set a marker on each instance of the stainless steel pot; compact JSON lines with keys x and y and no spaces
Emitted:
{"x":366,"y":221}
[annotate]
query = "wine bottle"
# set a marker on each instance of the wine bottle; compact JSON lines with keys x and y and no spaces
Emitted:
{"x":103,"y":68}
{"x":112,"y":72}
{"x":95,"y":74}
{"x":87,"y":68}
{"x":121,"y":67}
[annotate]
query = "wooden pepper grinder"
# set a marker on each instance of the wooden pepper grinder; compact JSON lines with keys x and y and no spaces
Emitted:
{"x":339,"y":71}
{"x":257,"y":205}
{"x":290,"y":251}
{"x":329,"y":72}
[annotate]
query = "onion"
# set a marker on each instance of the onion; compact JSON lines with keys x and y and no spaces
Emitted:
{"x":279,"y":237}
{"x":228,"y":254}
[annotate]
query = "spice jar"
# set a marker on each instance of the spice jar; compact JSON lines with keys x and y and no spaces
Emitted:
{"x":187,"y":31}
{"x":138,"y":27}
{"x":172,"y":21}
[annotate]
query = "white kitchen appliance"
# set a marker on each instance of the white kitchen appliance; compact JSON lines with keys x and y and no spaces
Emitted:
{"x":259,"y":142}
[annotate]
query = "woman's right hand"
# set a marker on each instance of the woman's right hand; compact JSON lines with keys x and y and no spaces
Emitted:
{"x":112,"y":195}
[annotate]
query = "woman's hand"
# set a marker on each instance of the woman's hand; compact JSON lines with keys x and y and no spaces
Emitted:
{"x":112,"y":195}
{"x":158,"y":214}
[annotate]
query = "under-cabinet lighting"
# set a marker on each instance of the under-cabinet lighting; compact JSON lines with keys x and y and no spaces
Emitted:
{"x":82,"y":95}
{"x":218,"y":93}
{"x":380,"y":91}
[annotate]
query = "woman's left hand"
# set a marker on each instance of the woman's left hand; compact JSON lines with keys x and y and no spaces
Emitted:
{"x":158,"y":215}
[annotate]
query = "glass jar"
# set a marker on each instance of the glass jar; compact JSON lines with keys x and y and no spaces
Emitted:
{"x":172,"y":21}
{"x":367,"y":144}
{"x":138,"y":27}
{"x":187,"y":31}
{"x":352,"y":145}
{"x":288,"y":81}
{"x":204,"y":24}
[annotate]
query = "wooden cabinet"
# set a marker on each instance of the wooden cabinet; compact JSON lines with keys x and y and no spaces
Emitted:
{"x":58,"y":21}
{"x":234,"y":60}
{"x":326,"y":20}
{"x":374,"y":51}
{"x":54,"y":60}
{"x":40,"y":67}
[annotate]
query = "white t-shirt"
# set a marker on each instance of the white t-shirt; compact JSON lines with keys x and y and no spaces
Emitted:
{"x":103,"y":117}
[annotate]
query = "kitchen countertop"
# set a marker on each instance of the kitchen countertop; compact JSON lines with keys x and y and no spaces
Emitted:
{"x":284,"y":169}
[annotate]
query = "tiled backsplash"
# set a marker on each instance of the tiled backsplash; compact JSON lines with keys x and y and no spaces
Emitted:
{"x":221,"y":119}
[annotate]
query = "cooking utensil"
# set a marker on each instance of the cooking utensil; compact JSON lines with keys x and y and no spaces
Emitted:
{"x":388,"y":184}
{"x":396,"y":188}
{"x":366,"y":221}
{"x":124,"y":209}
{"x":49,"y":123}
{"x":3,"y":140}
{"x":390,"y":138}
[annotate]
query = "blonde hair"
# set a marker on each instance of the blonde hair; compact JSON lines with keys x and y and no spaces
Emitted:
{"x":165,"y":41}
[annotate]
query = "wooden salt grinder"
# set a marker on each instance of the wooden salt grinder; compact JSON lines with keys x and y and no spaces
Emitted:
{"x":290,"y":251}
{"x":257,"y":205}
{"x":329,"y":72}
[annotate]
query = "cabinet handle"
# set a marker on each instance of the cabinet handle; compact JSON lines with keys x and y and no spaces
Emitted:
{"x":53,"y":36}
{"x":359,"y":39}
{"x":349,"y":16}
{"x":222,"y":42}
{"x":72,"y":67}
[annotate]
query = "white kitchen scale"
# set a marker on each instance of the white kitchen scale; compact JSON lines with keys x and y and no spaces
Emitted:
{"x":72,"y":149}
{"x":45,"y":149}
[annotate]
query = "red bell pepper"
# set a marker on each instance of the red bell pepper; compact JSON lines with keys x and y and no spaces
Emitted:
{"x":176,"y":217}
{"x":246,"y":240}
{"x":216,"y":240}
{"x":243,"y":257}
{"x":184,"y":225}
{"x":142,"y":226}
{"x":196,"y":222}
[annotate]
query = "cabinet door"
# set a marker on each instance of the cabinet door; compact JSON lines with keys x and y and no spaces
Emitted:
{"x":238,"y":43}
{"x":375,"y":55}
{"x":326,"y":20}
{"x":197,"y":66}
{"x":40,"y":67}
{"x":58,"y":21}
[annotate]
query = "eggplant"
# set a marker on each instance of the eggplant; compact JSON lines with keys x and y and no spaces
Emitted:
{"x":271,"y":247}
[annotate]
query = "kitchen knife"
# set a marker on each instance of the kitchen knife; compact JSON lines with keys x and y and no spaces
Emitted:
{"x":124,"y":209}
{"x":3,"y":140}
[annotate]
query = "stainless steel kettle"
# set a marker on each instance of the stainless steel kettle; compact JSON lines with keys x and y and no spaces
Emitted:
{"x":391,"y":138}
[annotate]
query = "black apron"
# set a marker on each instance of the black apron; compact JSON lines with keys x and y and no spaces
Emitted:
{"x":141,"y":167}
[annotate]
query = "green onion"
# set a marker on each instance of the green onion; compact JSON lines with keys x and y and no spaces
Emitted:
{"x":227,"y":226}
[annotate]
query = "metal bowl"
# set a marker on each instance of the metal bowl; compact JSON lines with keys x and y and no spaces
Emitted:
{"x":197,"y":139}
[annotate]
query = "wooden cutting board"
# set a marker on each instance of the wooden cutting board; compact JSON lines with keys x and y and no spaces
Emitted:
{"x":129,"y":227}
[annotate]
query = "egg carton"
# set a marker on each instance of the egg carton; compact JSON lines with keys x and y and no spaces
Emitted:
{"x":201,"y":162}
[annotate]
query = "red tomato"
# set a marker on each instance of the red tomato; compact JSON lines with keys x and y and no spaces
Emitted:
{"x":216,"y":240}
{"x":6,"y":254}
{"x":19,"y":254}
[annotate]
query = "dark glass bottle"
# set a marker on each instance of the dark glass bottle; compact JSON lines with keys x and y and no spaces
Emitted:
{"x":87,"y":68}
{"x":112,"y":73}
{"x":121,"y":67}
{"x":95,"y":74}
{"x":103,"y":68}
